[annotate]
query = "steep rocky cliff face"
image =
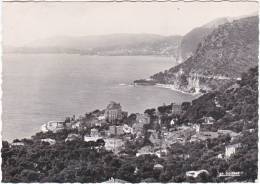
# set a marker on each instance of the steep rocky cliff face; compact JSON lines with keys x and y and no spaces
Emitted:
{"x":228,"y":51}
{"x":191,"y":40}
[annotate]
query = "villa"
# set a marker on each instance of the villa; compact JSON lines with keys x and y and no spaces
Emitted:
{"x":53,"y":126}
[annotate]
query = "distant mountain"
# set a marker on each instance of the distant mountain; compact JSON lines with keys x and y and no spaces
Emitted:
{"x":114,"y":44}
{"x":178,"y":47}
{"x":230,"y":49}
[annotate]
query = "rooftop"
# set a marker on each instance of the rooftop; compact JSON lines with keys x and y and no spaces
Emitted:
{"x":114,"y":105}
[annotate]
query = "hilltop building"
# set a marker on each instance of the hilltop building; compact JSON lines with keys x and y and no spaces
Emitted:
{"x":114,"y":112}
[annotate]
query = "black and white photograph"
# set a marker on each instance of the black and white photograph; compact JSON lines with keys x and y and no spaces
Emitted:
{"x":129,"y":92}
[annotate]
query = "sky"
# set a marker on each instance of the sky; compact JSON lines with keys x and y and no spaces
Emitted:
{"x":27,"y":22}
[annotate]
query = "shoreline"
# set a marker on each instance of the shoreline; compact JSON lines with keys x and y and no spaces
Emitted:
{"x":173,"y":88}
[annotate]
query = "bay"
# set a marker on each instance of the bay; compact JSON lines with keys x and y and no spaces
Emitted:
{"x":41,"y":87}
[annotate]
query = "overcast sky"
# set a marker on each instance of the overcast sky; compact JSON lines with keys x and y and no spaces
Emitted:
{"x":26,"y":22}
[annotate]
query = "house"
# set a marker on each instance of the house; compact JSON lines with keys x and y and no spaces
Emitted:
{"x":53,"y":126}
{"x":101,"y":117}
{"x":196,"y":127}
{"x":231,"y":149}
{"x":154,"y":138}
{"x":220,"y":156}
{"x":195,"y":174}
{"x":113,"y":112}
{"x":114,"y":144}
{"x":184,"y":156}
{"x":17,"y":144}
{"x":72,"y":137}
{"x":208,"y":120}
{"x":232,"y":134}
{"x":203,"y":136}
{"x":161,"y":153}
{"x":116,"y":130}
{"x":158,"y":166}
{"x":146,"y":150}
{"x":76,"y":125}
{"x":94,"y":132}
{"x":88,"y":138}
{"x":112,"y":180}
{"x":48,"y":140}
{"x":176,"y":109}
{"x":142,"y":118}
{"x":127,"y":129}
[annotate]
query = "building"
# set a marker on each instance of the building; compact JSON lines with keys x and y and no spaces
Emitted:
{"x":53,"y":126}
{"x":113,"y":112}
{"x":48,"y":140}
{"x":232,"y":134}
{"x":72,"y":137}
{"x":208,"y":120}
{"x":231,"y":149}
{"x":203,"y":136}
{"x":114,"y":144}
{"x":17,"y":144}
{"x":161,"y":153}
{"x":154,"y":138}
{"x":176,"y":109}
{"x":142,"y":118}
{"x":127,"y":129}
{"x":146,"y":150}
{"x":195,"y":174}
{"x":112,"y":180}
{"x":94,"y":132}
{"x":116,"y":130}
{"x":88,"y":138}
{"x":158,"y":166}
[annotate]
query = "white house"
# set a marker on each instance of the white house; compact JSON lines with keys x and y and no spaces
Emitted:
{"x":72,"y":137}
{"x":50,"y":141}
{"x":88,"y":138}
{"x":195,"y":174}
{"x":113,"y":144}
{"x":17,"y":144}
{"x":231,"y":149}
{"x":52,"y":126}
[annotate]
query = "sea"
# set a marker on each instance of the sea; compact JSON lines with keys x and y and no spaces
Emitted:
{"x":38,"y":88}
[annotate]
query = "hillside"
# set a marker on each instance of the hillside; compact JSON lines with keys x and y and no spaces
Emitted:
{"x":191,"y":40}
{"x":228,"y":51}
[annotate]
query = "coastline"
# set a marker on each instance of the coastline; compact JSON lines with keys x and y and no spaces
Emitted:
{"x":173,"y":88}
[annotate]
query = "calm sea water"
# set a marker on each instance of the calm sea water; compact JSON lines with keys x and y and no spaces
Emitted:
{"x":42,"y":87}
